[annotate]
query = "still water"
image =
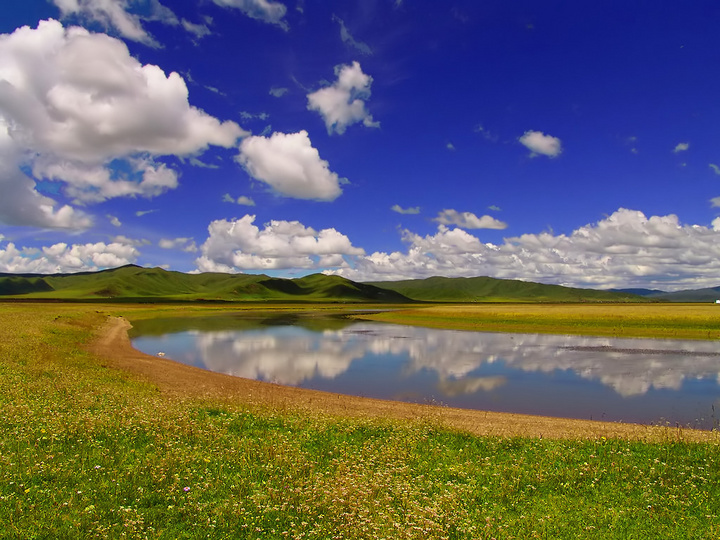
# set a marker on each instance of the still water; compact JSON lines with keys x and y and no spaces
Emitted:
{"x":648,"y":381}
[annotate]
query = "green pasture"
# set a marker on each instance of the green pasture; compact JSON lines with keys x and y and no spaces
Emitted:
{"x":90,"y":452}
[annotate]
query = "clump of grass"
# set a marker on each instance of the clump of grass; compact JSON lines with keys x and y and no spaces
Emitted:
{"x":87,"y":451}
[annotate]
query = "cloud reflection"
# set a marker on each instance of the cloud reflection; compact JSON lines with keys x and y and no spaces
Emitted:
{"x":291,"y":355}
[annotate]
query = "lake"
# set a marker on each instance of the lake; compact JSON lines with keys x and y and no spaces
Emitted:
{"x":650,"y":381}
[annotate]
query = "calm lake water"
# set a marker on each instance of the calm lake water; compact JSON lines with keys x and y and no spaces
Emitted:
{"x":633,"y":380}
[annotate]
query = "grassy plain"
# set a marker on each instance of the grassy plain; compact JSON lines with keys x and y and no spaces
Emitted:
{"x":680,"y":321}
{"x":90,"y":450}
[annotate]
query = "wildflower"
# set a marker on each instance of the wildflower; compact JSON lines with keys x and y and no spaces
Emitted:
{"x":186,"y":489}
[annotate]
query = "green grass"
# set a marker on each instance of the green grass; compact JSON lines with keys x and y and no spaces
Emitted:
{"x":680,"y":321}
{"x":86,"y":452}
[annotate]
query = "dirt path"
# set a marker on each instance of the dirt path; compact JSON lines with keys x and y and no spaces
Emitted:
{"x":113,"y":346}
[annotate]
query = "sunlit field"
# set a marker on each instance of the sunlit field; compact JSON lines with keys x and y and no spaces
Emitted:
{"x":89,"y":451}
{"x":686,"y":321}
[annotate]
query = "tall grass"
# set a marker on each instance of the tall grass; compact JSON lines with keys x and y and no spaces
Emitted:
{"x":90,"y":452}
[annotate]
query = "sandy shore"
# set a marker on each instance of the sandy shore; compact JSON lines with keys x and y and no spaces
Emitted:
{"x":112,"y":345}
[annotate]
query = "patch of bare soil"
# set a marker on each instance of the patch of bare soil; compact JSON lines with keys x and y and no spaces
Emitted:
{"x":113,"y":346}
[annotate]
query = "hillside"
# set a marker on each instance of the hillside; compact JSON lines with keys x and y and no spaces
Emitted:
{"x":134,"y":283}
{"x":486,"y":289}
{"x":696,"y":295}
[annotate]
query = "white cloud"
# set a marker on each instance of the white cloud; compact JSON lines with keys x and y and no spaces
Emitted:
{"x":715,"y":202}
{"x":400,"y":210}
{"x":21,"y":203}
{"x":278,"y":91}
{"x":539,"y":143}
{"x":715,"y":168}
{"x":184,"y":244}
{"x":348,"y":39}
{"x":75,"y":107}
{"x":114,"y":221}
{"x":242,"y":200}
{"x":290,"y":165}
{"x":114,"y":14}
{"x":197,"y":30}
{"x":626,"y":249}
{"x":468,"y":220}
{"x":257,"y":116}
{"x":681,"y":147}
{"x":93,"y":183}
{"x":343,"y":103}
{"x":261,"y":10}
{"x":240,"y":245}
{"x":245,"y":201}
{"x":64,"y":258}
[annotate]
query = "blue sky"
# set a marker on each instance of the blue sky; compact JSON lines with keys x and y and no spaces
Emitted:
{"x":567,"y":143}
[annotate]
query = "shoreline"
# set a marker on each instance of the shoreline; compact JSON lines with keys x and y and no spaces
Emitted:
{"x":113,"y":346}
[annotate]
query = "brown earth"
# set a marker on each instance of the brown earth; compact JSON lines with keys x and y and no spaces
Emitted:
{"x":113,"y":346}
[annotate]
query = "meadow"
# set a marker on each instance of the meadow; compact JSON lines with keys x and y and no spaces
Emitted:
{"x":679,"y":321}
{"x":91,"y":450}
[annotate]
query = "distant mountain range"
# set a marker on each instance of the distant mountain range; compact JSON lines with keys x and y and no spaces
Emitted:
{"x":135,"y":283}
{"x":711,"y":294}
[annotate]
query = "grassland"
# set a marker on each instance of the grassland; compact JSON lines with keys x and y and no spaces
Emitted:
{"x":681,"y":321}
{"x":92,"y":449}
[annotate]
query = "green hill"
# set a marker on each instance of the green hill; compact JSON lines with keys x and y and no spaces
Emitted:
{"x":486,"y":289}
{"x":134,"y":283}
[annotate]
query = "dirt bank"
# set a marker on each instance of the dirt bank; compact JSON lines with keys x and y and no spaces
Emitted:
{"x":113,"y":346}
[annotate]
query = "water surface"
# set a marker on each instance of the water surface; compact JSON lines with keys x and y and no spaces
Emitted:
{"x":633,"y":380}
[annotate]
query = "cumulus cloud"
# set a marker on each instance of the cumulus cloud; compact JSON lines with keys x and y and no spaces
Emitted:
{"x":540,"y":144}
{"x":77,"y":108}
{"x":238,"y":245}
{"x":114,"y":221}
{"x":21,"y":203}
{"x":400,"y":210}
{"x":681,"y":147}
{"x":64,"y":258}
{"x":468,"y":220}
{"x":343,"y":103}
{"x":289,"y":164}
{"x":626,"y":249}
{"x":262,"y":10}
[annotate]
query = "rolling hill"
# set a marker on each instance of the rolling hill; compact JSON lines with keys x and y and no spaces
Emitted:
{"x":134,"y":283}
{"x":486,"y":289}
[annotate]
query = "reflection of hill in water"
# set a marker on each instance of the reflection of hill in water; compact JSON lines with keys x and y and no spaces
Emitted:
{"x":293,"y":354}
{"x":238,"y":322}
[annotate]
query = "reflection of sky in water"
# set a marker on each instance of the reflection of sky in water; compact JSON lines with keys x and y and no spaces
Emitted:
{"x":642,"y":380}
